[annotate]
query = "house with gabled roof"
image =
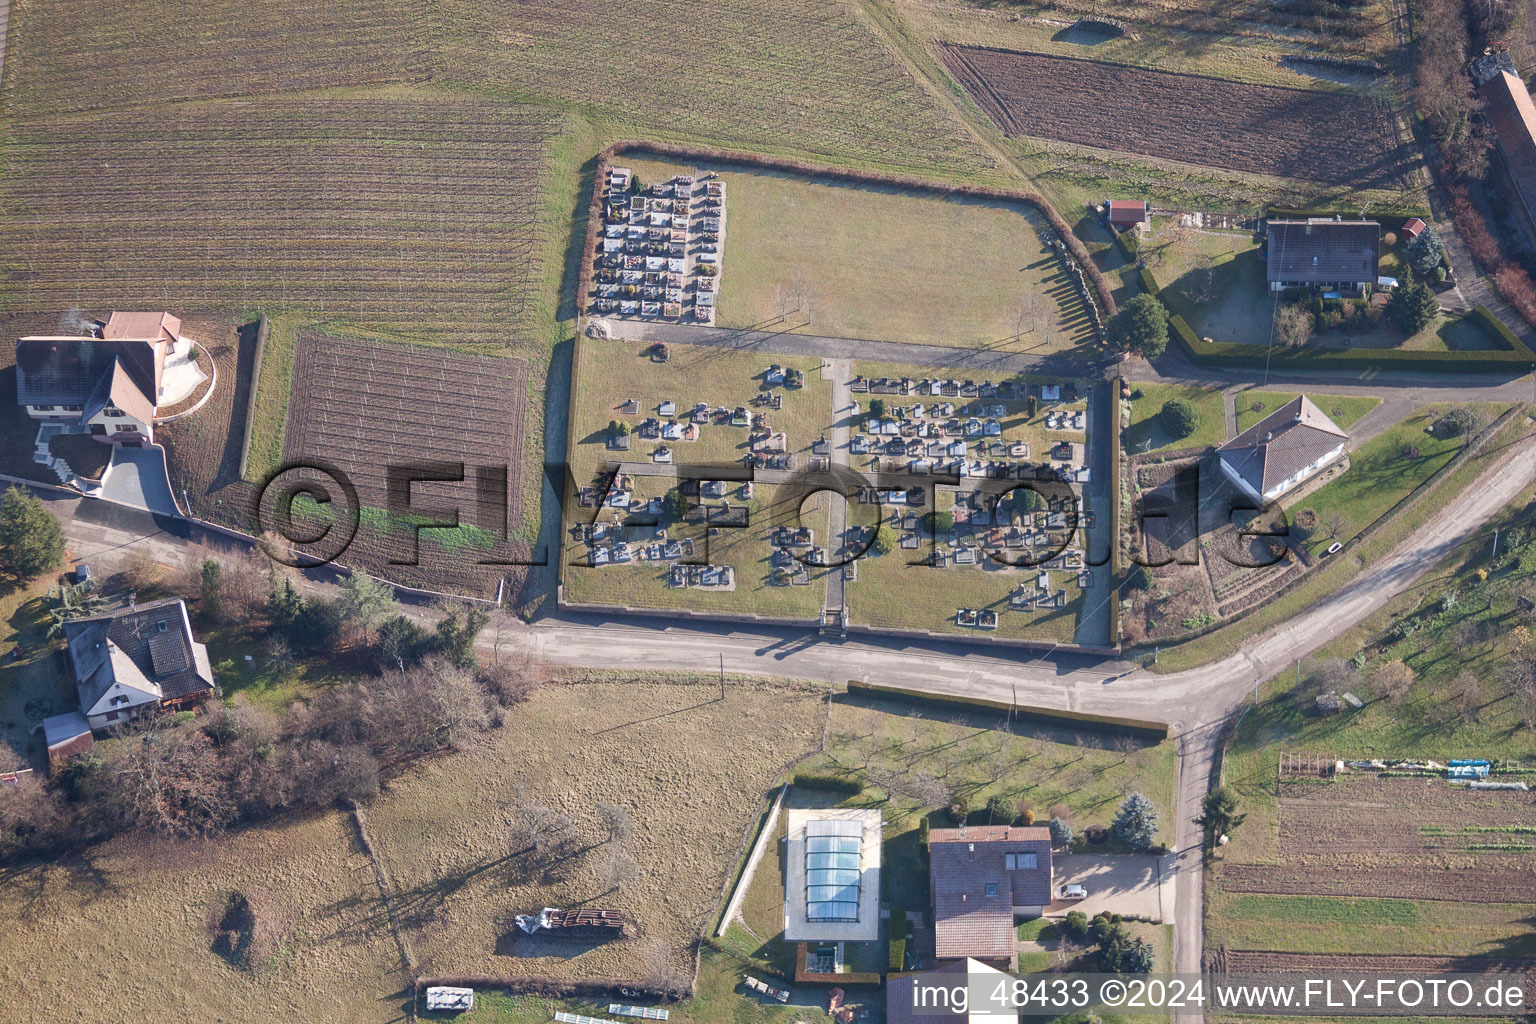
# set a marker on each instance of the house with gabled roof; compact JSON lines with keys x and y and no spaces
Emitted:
{"x":1512,"y":115}
{"x":136,"y":659}
{"x":1322,"y":253}
{"x":1282,"y":450}
{"x":983,"y":879}
{"x":110,"y":385}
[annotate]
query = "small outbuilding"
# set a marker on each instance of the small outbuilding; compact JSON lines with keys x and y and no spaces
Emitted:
{"x":66,"y":735}
{"x":1125,"y":214}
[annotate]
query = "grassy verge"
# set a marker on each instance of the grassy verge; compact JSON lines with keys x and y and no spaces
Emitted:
{"x":1344,"y":410}
{"x":1320,"y":924}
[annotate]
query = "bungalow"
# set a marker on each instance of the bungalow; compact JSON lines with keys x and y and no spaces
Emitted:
{"x":130,"y":661}
{"x":1283,"y":449}
{"x":1323,"y":253}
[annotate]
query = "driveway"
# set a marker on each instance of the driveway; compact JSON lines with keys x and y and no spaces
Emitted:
{"x":1129,"y":884}
{"x":137,"y":477}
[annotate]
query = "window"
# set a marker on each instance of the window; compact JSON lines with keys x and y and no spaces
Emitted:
{"x":991,"y":888}
{"x":72,"y":408}
{"x":112,"y":411}
{"x":120,"y":699}
{"x":98,"y":428}
{"x":1020,"y":861}
{"x":111,"y":716}
{"x":43,"y":408}
{"x":123,"y":428}
{"x":160,"y":626}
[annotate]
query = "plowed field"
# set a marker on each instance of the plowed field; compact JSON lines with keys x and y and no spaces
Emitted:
{"x":1240,"y":961}
{"x":1333,"y":138}
{"x":372,"y":410}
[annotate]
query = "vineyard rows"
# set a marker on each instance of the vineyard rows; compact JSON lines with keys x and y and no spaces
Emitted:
{"x":800,"y":74}
{"x":92,"y":54}
{"x":367,"y":407}
{"x":402,"y":217}
{"x":1333,"y":138}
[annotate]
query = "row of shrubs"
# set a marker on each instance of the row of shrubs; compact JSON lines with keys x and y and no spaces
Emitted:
{"x":850,"y":784}
{"x":1514,"y":355}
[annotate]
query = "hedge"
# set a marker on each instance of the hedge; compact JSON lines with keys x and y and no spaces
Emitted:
{"x":896,"y":957}
{"x":1053,"y":716}
{"x":1129,"y":243}
{"x":852,"y":785}
{"x":1225,"y":353}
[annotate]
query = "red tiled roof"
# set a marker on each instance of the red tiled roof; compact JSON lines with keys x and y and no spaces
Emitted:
{"x":1508,"y":105}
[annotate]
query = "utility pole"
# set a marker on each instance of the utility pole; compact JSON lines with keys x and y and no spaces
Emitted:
{"x":722,"y":677}
{"x":1495,"y":544}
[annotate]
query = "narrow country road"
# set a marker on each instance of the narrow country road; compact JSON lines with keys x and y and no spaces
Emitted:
{"x":1196,"y":703}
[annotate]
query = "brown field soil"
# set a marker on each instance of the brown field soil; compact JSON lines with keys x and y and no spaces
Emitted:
{"x":124,"y":934}
{"x":1365,"y":821}
{"x":373,"y":409}
{"x":416,"y":217}
{"x":1404,"y":838}
{"x":202,"y":451}
{"x":692,"y":770}
{"x":1458,"y":884}
{"x":1312,"y":135}
{"x":1240,"y":961}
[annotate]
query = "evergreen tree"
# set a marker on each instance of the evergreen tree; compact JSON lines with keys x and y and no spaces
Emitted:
{"x":1061,"y":832}
{"x":1425,"y":252}
{"x":1219,"y":812}
{"x":1141,"y":326}
{"x":1412,"y":307}
{"x":31,"y":542}
{"x":1135,"y":824}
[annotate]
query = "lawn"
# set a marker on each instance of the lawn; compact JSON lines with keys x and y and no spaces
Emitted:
{"x":1381,"y":473}
{"x":1319,"y":924}
{"x":652,"y":745}
{"x":1146,"y":432}
{"x":67,"y":923}
{"x":1344,"y":410}
{"x":867,"y":262}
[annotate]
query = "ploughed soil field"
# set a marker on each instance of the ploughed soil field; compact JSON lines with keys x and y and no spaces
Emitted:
{"x":1328,"y":137}
{"x":1407,"y":838}
{"x":420,"y":417}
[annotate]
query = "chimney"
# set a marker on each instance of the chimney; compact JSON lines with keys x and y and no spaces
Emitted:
{"x":1269,"y":437}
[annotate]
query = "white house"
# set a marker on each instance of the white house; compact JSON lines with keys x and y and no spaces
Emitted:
{"x":135,"y":659}
{"x":1283,"y":449}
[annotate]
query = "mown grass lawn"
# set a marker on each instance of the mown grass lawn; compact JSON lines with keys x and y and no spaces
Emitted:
{"x":1344,"y":410}
{"x":822,"y":256}
{"x":1146,"y":432}
{"x":1321,"y":924}
{"x":1381,"y":473}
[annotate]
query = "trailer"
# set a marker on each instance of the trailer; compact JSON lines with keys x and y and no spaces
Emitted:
{"x":578,"y":924}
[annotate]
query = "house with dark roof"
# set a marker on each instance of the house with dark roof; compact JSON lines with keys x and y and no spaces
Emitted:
{"x":1283,"y":449}
{"x":1322,"y":253}
{"x":136,"y":659}
{"x":1510,"y":112}
{"x":983,"y":879}
{"x":108,"y":385}
{"x":937,"y":995}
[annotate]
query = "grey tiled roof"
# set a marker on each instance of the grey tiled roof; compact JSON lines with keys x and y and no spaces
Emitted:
{"x":1281,"y":444}
{"x":1321,"y":250}
{"x":88,"y":371}
{"x":165,"y":657}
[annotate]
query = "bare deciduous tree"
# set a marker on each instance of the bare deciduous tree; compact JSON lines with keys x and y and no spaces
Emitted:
{"x":616,"y":821}
{"x":1394,"y":679}
{"x":1293,"y":325}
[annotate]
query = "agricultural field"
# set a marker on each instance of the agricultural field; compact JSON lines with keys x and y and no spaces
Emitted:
{"x":696,"y":770}
{"x":833,"y":258}
{"x":1163,"y":36}
{"x":806,"y":76}
{"x":1145,"y":432}
{"x":57,"y":51}
{"x":1231,"y":125}
{"x":417,"y":217}
{"x":1344,"y":410}
{"x":372,"y":409}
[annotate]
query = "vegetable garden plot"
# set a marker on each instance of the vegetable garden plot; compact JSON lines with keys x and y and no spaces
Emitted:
{"x":372,"y":408}
{"x":409,"y":218}
{"x":1334,"y":138}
